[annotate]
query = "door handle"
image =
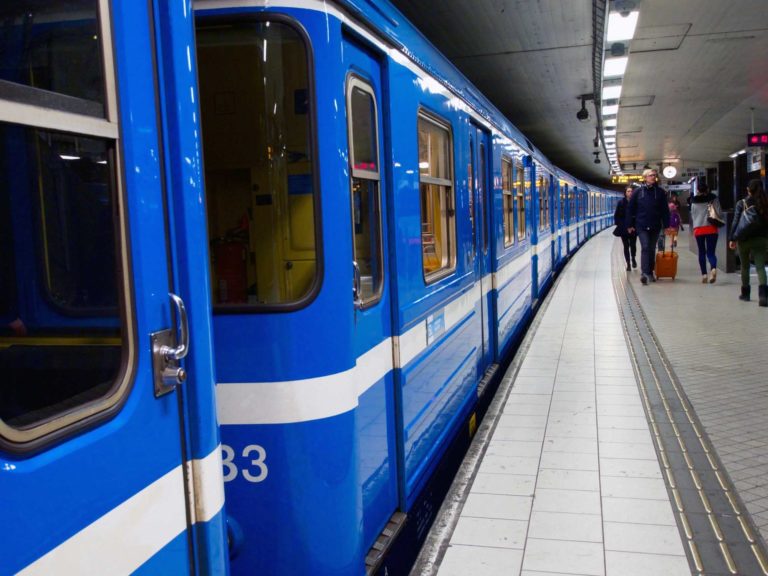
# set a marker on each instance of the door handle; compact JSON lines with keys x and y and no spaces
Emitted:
{"x":181,"y":350}
{"x":167,"y":374}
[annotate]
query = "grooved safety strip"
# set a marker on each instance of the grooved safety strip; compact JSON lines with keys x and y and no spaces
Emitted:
{"x":715,"y":526}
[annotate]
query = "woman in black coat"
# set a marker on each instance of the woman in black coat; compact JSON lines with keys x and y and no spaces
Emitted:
{"x":629,"y":240}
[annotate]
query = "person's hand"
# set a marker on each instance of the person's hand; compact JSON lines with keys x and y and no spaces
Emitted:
{"x":732,"y":245}
{"x":631,"y":230}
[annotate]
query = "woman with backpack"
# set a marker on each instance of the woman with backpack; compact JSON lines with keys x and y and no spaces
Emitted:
{"x":750,"y":235}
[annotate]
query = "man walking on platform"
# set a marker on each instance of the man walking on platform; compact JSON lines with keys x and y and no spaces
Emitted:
{"x":648,"y":214}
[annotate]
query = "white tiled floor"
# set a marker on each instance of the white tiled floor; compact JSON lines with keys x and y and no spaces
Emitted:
{"x":570,"y":483}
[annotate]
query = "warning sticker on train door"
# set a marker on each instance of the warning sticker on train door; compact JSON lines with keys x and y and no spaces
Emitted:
{"x":435,"y":326}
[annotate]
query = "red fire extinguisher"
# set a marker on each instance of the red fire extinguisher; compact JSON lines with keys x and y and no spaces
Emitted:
{"x":229,"y":256}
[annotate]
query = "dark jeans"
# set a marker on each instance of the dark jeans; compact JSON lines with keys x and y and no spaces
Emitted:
{"x":757,"y":247}
{"x":630,"y":246}
{"x":706,"y":244}
{"x":648,"y":239}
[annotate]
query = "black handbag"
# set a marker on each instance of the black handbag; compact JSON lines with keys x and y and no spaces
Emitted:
{"x":713,"y":216}
{"x":750,"y":224}
{"x":617,"y":232}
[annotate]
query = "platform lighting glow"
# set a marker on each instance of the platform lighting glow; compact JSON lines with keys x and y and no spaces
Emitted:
{"x":622,"y":27}
{"x":615,"y":67}
{"x":424,"y":165}
{"x":67,"y":157}
{"x":611,"y":92}
{"x":610,"y":110}
{"x":609,"y":122}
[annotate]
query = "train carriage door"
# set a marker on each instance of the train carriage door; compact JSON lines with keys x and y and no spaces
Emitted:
{"x":94,"y":461}
{"x":480,"y":193}
{"x":371,"y":297}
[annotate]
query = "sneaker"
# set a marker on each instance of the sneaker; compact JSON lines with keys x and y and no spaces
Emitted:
{"x":634,"y":263}
{"x":704,"y":279}
{"x":629,"y":268}
{"x":653,"y":276}
{"x":644,"y":279}
{"x":713,"y":276}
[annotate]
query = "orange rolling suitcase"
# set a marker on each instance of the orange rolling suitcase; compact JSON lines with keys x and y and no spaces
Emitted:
{"x":666,"y":263}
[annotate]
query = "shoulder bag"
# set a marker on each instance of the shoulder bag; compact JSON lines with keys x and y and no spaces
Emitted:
{"x":714,"y":216}
{"x":750,"y":224}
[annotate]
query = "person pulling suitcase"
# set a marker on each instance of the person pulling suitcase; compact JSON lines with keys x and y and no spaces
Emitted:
{"x":648,"y":214}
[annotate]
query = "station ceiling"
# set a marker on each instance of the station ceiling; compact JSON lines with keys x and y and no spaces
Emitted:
{"x":696,"y":81}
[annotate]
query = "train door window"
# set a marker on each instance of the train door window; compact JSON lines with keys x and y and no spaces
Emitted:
{"x":541,"y":186}
{"x":53,"y":48}
{"x":563,"y":200}
{"x":365,"y":188}
{"x":471,"y":180}
{"x":66,"y":336}
{"x":482,"y":191}
{"x":522,"y":191}
{"x":261,"y":188}
{"x":507,"y":202}
{"x":438,"y":236}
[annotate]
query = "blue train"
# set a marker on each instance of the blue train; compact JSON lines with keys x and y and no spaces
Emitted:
{"x":261,"y":266}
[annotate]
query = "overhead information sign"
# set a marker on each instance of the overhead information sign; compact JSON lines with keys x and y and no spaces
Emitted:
{"x":626,"y":179}
{"x":757,"y":139}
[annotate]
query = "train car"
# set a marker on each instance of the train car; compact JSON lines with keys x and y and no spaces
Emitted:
{"x":273,"y":252}
{"x":107,"y":462}
{"x":437,"y":213}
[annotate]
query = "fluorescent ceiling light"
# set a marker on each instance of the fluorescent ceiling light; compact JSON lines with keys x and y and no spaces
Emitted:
{"x":615,"y":67}
{"x":68,"y":157}
{"x":622,"y":27}
{"x":610,"y":139}
{"x":742,"y":151}
{"x":611,"y":92}
{"x":610,"y":110}
{"x":609,"y":122}
{"x":609,"y":132}
{"x":733,"y":155}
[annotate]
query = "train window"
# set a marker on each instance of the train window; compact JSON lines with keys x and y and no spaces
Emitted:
{"x":261,"y":194}
{"x":438,"y":236}
{"x":51,"y":55}
{"x":508,"y":209}
{"x":523,"y":191}
{"x":365,"y":180}
{"x":66,"y":336}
